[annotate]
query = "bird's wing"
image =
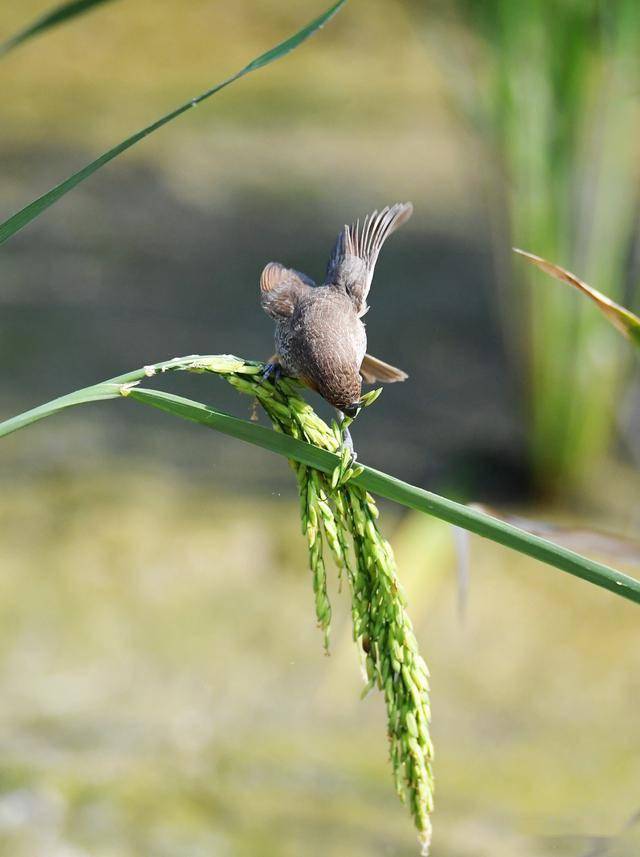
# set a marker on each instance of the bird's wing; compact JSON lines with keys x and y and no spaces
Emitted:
{"x":280,"y":288}
{"x":356,"y":250}
{"x":373,"y":370}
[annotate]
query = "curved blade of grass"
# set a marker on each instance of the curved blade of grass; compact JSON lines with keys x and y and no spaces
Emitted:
{"x":373,"y":480}
{"x":97,"y":393}
{"x":623,"y":319}
{"x":19,"y":220}
{"x":111,"y":389}
{"x":57,"y":15}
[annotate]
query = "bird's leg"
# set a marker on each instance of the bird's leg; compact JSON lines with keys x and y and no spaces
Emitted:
{"x":272,"y":367}
{"x":347,"y":441}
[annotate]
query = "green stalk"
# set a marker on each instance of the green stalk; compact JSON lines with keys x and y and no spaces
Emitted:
{"x":370,"y":479}
{"x":21,"y":218}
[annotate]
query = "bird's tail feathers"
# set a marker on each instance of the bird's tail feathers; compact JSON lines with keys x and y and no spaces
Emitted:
{"x":373,"y":370}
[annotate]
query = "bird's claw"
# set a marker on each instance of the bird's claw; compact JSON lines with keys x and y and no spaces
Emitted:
{"x":347,"y":468}
{"x":272,"y":370}
{"x":347,"y":443}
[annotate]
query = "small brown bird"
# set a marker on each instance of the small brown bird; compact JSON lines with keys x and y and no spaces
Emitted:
{"x":319,"y":336}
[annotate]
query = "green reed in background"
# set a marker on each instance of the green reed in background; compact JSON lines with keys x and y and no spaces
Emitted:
{"x":551,"y":89}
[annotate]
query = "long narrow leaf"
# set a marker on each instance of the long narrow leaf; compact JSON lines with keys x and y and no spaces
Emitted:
{"x":58,"y":15}
{"x":19,"y":220}
{"x":400,"y":492}
{"x":620,"y":317}
{"x":111,"y":389}
{"x":97,"y":393}
{"x":373,"y":480}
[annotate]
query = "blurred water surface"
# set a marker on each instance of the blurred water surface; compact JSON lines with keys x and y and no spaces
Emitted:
{"x":164,"y":690}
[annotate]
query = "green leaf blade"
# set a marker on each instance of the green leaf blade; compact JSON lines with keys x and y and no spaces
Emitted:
{"x":97,"y":393}
{"x":110,"y":389}
{"x":34,"y":209}
{"x":620,"y":317}
{"x":394,"y":489}
{"x":58,"y":15}
{"x":292,"y":42}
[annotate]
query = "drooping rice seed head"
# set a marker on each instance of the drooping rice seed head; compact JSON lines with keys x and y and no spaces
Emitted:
{"x":335,"y":509}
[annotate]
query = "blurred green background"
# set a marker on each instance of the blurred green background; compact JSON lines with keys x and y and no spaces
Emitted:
{"x":163,"y":683}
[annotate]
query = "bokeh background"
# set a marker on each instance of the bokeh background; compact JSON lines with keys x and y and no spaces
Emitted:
{"x":164,"y":690}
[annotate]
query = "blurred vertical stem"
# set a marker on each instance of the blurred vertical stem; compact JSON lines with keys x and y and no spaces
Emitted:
{"x":550,"y":87}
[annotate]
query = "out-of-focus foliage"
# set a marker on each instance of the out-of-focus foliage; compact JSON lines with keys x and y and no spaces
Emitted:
{"x":551,"y":90}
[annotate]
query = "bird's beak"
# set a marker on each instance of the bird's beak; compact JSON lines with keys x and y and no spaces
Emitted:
{"x":352,"y":410}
